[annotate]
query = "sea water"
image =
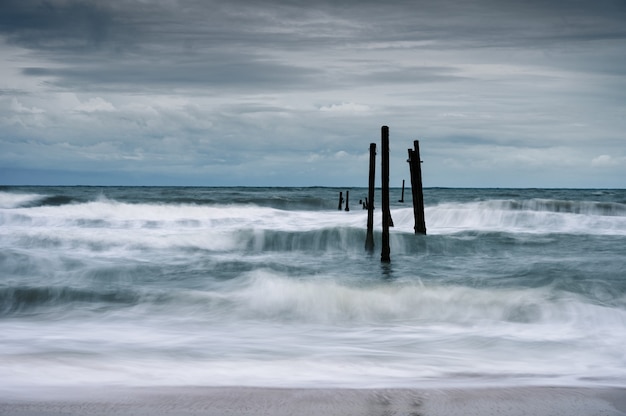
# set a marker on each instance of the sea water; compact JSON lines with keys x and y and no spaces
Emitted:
{"x":166,"y":286}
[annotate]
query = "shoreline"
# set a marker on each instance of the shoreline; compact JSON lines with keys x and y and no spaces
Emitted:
{"x":209,"y":401}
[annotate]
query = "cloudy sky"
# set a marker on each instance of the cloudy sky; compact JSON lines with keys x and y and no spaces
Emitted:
{"x":500,"y":93}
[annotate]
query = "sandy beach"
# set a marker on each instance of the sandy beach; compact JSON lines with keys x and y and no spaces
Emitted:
{"x":243,"y":401}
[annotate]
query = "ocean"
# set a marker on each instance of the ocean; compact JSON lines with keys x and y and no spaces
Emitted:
{"x":272,"y":287}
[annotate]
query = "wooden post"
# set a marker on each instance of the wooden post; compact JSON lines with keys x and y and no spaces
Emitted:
{"x":385,"y":255}
{"x":347,"y":200}
{"x":402,"y":197}
{"x":415,"y":165}
{"x":369,"y":201}
{"x":340,"y":200}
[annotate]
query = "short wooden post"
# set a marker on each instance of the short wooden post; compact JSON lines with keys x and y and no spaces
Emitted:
{"x":385,"y":255}
{"x":402,"y":197}
{"x":369,"y":201}
{"x":415,"y":165}
{"x":347,"y":200}
{"x":340,"y":200}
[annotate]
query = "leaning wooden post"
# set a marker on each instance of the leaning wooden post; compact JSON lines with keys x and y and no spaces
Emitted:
{"x":415,"y":165}
{"x":402,"y":197}
{"x":347,"y":200}
{"x":369,"y":201}
{"x":385,"y":255}
{"x":340,"y":200}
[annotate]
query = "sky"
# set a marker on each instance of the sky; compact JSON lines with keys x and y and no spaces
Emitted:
{"x":499,"y":93}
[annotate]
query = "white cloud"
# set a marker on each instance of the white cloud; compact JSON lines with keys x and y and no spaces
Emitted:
{"x":313,"y":157}
{"x":604,"y":161}
{"x":18,"y":107}
{"x":348,"y":107}
{"x":95,"y":104}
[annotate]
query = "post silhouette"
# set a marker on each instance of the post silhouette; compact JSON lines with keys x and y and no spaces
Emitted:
{"x":340,"y":200}
{"x":402,"y":197}
{"x":369,"y":201}
{"x":347,"y":200}
{"x":385,"y":255}
{"x":415,"y":166}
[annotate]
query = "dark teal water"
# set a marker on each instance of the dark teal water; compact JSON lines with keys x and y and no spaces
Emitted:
{"x":273,"y":287}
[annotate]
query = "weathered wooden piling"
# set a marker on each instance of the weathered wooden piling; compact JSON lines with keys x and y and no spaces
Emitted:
{"x":385,"y":255}
{"x":340,"y":200}
{"x":347,"y":200}
{"x":369,"y":201}
{"x":415,"y":165}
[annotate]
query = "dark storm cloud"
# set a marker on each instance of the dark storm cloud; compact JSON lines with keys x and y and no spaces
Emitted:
{"x":222,"y":73}
{"x":139,"y":44}
{"x":12,"y":92}
{"x":55,"y":25}
{"x":59,"y":24}
{"x":231,"y":73}
{"x":412,"y":75}
{"x":242,"y":42}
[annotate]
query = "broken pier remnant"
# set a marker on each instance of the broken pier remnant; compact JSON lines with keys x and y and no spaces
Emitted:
{"x":369,"y":201}
{"x":385,"y":255}
{"x":415,"y":165}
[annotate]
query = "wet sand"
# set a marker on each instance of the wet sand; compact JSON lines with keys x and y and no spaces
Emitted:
{"x":244,"y":401}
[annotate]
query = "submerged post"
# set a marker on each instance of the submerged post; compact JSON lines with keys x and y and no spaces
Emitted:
{"x":385,"y":255}
{"x":369,"y":201}
{"x":415,"y":165}
{"x":347,"y":200}
{"x":402,"y":197}
{"x":340,"y":200}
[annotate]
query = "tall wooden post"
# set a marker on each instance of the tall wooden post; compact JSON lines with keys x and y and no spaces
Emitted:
{"x":347,"y":200}
{"x":340,"y":200}
{"x":402,"y":197}
{"x":415,"y":165}
{"x":385,"y":255}
{"x":369,"y":201}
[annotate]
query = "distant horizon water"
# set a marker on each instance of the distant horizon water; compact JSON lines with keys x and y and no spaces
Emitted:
{"x":338,"y":187}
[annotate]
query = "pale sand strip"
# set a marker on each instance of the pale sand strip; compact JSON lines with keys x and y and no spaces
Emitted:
{"x":243,"y":401}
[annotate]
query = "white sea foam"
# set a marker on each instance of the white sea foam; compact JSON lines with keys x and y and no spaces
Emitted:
{"x":441,"y":219}
{"x":496,"y":216}
{"x":109,"y":292}
{"x":13,"y":200}
{"x":284,"y":332}
{"x":113,"y":229}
